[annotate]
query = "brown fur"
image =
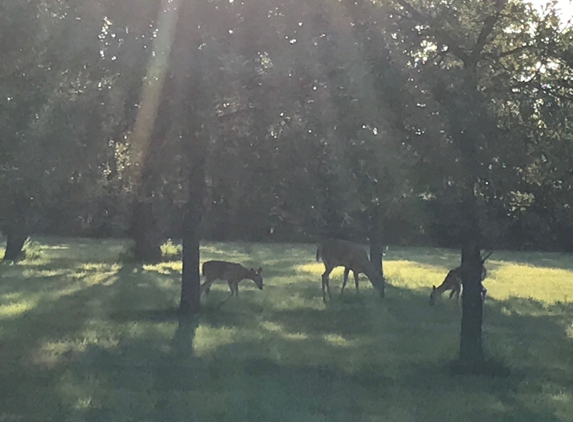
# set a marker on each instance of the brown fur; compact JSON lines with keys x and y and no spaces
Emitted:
{"x":341,"y":253}
{"x":232,"y":273}
{"x":453,"y":282}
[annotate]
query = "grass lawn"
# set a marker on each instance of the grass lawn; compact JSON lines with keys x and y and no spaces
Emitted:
{"x":84,"y":338}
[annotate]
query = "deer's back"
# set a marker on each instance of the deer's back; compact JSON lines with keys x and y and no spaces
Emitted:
{"x":453,"y":279}
{"x":222,"y":270}
{"x":344,"y":253}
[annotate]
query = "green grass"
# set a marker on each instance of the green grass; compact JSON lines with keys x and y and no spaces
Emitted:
{"x":84,"y":338}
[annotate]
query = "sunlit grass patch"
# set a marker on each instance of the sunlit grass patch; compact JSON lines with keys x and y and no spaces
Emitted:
{"x":85,"y":338}
{"x":337,"y":340}
{"x":14,"y":296}
{"x":93,"y":278}
{"x":208,"y":339}
{"x":543,"y":284}
{"x":281,"y":331}
{"x":100,"y":267}
{"x":171,"y":251}
{"x":316,"y":269}
{"x":16,"y":308}
{"x":414,"y":275}
{"x":41,"y":250}
{"x":49,"y":353}
{"x":47,"y":273}
{"x":165,"y":267}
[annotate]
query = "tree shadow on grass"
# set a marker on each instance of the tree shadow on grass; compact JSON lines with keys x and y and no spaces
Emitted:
{"x":33,"y":343}
{"x":260,"y":375}
{"x":49,"y":350}
{"x":332,"y":320}
{"x":271,"y":389}
{"x":357,"y":358}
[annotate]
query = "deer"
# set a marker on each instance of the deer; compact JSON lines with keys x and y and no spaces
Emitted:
{"x":231,"y":272}
{"x":453,"y":282}
{"x":341,"y":253}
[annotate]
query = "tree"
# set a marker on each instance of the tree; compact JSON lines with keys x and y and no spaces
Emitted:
{"x":472,"y":68}
{"x":46,"y":89}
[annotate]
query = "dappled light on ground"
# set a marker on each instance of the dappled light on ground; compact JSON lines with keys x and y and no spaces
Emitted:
{"x":96,"y":340}
{"x":543,"y":284}
{"x":13,"y":309}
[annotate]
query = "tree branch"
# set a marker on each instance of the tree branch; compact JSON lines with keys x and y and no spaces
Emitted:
{"x":445,"y":39}
{"x":469,"y":59}
{"x":487,"y":29}
{"x":508,"y":52}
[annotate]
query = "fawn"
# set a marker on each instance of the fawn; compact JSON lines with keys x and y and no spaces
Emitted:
{"x":231,"y":272}
{"x":453,"y":282}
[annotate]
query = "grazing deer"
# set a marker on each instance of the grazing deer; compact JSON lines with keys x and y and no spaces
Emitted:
{"x":232,"y":273}
{"x":453,"y":282}
{"x":340,"y":253}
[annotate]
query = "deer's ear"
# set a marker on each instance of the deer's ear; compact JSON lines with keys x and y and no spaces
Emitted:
{"x":433,"y":288}
{"x":252,"y":270}
{"x":260,"y":270}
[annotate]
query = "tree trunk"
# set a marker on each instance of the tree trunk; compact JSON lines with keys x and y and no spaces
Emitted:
{"x":376,"y":246}
{"x":471,"y":350}
{"x":143,"y":232}
{"x":191,"y":278}
{"x":333,"y":222}
{"x":17,"y":226}
{"x":16,"y":236}
{"x":330,"y":209}
{"x":186,"y":102}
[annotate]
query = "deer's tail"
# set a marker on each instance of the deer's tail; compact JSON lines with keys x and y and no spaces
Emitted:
{"x":318,"y":252}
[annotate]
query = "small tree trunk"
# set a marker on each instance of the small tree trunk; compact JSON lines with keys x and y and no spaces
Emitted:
{"x":471,"y":350}
{"x":143,"y":232}
{"x":17,"y":226}
{"x":377,"y":247}
{"x":332,"y":218}
{"x":15,"y":239}
{"x":191,"y":278}
{"x":187,"y":105}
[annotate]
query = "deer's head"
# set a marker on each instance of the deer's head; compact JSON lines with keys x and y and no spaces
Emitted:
{"x":433,"y":296}
{"x":256,"y":277}
{"x":375,"y":278}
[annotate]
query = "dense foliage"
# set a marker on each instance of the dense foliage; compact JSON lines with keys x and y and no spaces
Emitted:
{"x":322,"y":118}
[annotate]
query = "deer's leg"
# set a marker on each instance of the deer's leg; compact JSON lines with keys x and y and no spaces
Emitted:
{"x":228,"y":297}
{"x":233,"y":286}
{"x":346,"y":271}
{"x":206,"y":286}
{"x":325,"y":286}
{"x":355,"y":279}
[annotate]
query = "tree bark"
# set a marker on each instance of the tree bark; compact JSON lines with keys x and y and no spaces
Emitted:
{"x":16,"y":226}
{"x":143,"y":232}
{"x":16,"y":236}
{"x":191,"y":278}
{"x":471,"y":349}
{"x":185,"y":106}
{"x":196,"y":156}
{"x":376,"y":246}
